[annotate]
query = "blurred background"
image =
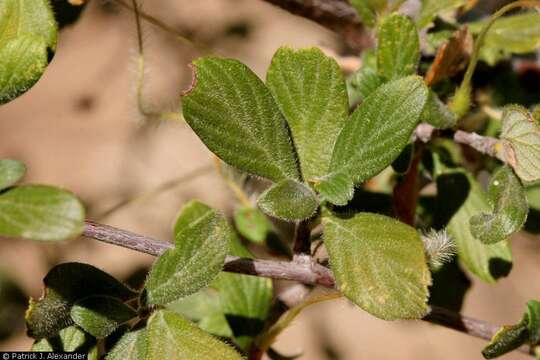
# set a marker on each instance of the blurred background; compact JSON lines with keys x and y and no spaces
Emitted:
{"x":79,"y":128}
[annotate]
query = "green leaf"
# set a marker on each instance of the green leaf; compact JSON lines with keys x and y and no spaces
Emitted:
{"x":198,"y":256}
{"x":27,"y":30}
{"x":508,"y":338}
{"x":533,"y":196}
{"x":514,"y":34}
{"x":101,"y":315}
{"x":69,"y":339}
{"x":368,"y":9}
{"x":430,"y":8}
{"x":64,"y":285}
{"x":131,"y":346}
{"x":365,"y":80}
{"x":373,"y":138}
{"x":237,"y":118}
{"x":462,"y":197}
{"x":310,"y":90}
{"x":510,"y":208}
{"x":379,"y":264}
{"x":11,"y":171}
{"x":40,"y":213}
{"x":252,"y":224}
{"x":398,"y":49}
{"x":289,"y":200}
{"x":533,"y":317}
{"x":520,"y":142}
{"x":170,"y":336}
{"x":437,"y":113}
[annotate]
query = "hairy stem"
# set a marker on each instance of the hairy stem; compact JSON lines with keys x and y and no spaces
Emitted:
{"x":305,"y":272}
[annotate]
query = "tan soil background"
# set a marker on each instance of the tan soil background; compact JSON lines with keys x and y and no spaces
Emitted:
{"x":78,"y":128}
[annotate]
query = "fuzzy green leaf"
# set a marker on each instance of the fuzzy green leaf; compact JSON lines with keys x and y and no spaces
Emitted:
{"x":289,"y":200}
{"x":510,"y":208}
{"x":252,"y":224}
{"x":508,"y":338}
{"x":310,"y":91}
{"x":368,"y":9}
{"x":533,"y":317}
{"x":373,"y":138}
{"x":365,"y":80}
{"x":198,"y":256}
{"x":461,"y":194}
{"x":398,"y":49}
{"x":131,"y":346}
{"x":11,"y":171}
{"x":27,"y":30}
{"x":69,"y":339}
{"x":520,"y":142}
{"x":64,"y":285}
{"x":437,"y":113}
{"x":430,"y":8}
{"x":40,"y":213}
{"x":237,"y":118}
{"x":101,"y":315}
{"x":170,"y":336}
{"x":379,"y":264}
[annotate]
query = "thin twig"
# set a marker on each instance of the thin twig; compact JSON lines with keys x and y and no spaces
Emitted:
{"x":310,"y":273}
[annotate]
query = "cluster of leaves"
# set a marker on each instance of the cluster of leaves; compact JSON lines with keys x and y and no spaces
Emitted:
{"x":326,"y":147}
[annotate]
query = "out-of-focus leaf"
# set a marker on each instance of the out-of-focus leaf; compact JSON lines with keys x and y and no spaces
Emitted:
{"x":437,"y":113}
{"x":234,"y":114}
{"x":27,"y":30}
{"x":40,"y":213}
{"x":365,"y":80}
{"x":451,"y":57}
{"x":310,"y":90}
{"x":289,"y":200}
{"x":199,"y":253}
{"x":533,"y":321}
{"x":252,"y":224}
{"x":508,"y":338}
{"x":520,"y":143}
{"x":533,"y":196}
{"x":430,"y":8}
{"x":64,"y":285}
{"x":13,"y":302}
{"x":513,"y":34}
{"x":368,"y":9}
{"x":507,"y":196}
{"x":379,"y":264}
{"x":375,"y":135}
{"x":101,"y":315}
{"x":398,"y":50}
{"x":69,"y":339}
{"x":132,"y":346}
{"x":11,"y":171}
{"x":170,"y":336}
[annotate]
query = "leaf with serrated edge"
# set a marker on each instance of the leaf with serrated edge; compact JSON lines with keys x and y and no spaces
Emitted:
{"x":520,"y":143}
{"x":398,"y":50}
{"x":368,"y":9}
{"x":40,"y":213}
{"x":70,"y":339}
{"x":510,"y":209}
{"x":379,"y":264}
{"x":310,"y":90}
{"x":11,"y":171}
{"x":198,"y":256}
{"x":170,"y":336}
{"x":101,"y":315}
{"x":131,"y":346}
{"x":236,"y":117}
{"x":289,"y":200}
{"x":373,"y":138}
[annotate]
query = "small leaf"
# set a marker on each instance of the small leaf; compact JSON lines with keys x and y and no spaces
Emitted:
{"x":437,"y":113}
{"x":64,"y":285}
{"x":508,"y":338}
{"x":310,"y":90}
{"x":520,"y":142}
{"x":252,"y":224}
{"x":27,"y":30}
{"x":368,"y":9}
{"x":373,"y":138}
{"x":509,"y":208}
{"x":40,"y":213}
{"x":11,"y":171}
{"x":379,"y":264}
{"x":430,"y":8}
{"x":365,"y":80}
{"x":533,"y":317}
{"x":398,"y":50}
{"x":131,"y":346}
{"x":70,"y":339}
{"x":101,"y":315}
{"x":198,"y":256}
{"x":170,"y":336}
{"x":289,"y":200}
{"x":237,"y":118}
